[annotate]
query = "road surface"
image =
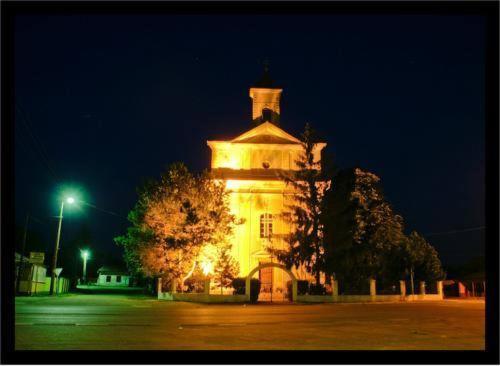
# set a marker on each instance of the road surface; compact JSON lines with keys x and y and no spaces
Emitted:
{"x":127,"y":322}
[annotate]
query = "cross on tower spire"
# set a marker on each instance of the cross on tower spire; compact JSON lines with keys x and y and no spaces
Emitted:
{"x":266,"y":65}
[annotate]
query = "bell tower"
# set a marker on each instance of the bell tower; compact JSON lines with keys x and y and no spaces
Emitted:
{"x":265,"y":100}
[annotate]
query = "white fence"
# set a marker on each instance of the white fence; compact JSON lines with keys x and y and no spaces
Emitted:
{"x":373,"y":297}
{"x":206,"y":297}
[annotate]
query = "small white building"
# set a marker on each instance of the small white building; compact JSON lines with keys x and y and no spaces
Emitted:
{"x":112,"y":276}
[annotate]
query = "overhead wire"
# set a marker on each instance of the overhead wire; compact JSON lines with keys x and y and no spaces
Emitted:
{"x":40,"y":151}
{"x":458,"y":231}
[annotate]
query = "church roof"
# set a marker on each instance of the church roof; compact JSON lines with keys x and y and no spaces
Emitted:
{"x":265,"y":81}
{"x":266,"y":133}
{"x":112,"y":270}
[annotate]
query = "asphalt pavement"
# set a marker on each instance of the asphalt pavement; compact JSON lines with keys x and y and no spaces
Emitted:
{"x":137,"y":322}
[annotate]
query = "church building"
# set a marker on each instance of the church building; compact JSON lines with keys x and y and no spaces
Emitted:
{"x":250,"y":165}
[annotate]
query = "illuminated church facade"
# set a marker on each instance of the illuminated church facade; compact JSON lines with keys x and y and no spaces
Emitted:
{"x":250,"y":165}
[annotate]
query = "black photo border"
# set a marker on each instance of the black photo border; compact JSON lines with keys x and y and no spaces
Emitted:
{"x":488,"y":9}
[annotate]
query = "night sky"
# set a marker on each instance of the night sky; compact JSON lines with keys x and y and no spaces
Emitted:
{"x":111,"y":100}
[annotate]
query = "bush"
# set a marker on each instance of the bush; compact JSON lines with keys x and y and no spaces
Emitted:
{"x":315,"y":289}
{"x":193,"y":285}
{"x":302,"y":288}
{"x":239,"y":288}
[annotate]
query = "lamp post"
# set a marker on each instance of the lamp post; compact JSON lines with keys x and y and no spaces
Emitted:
{"x":69,"y":200}
{"x":85,"y":255}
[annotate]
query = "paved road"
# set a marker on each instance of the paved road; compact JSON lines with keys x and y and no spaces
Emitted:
{"x":118,"y":322}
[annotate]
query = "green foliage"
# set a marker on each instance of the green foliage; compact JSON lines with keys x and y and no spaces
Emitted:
{"x":302,"y":288}
{"x":305,"y":243}
{"x":317,"y":289}
{"x":225,"y":268}
{"x":173,"y":220}
{"x":239,"y":287}
{"x":423,"y":258}
{"x":366,"y":238}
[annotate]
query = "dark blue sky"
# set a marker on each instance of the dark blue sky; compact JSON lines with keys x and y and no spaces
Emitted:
{"x":113,"y":99}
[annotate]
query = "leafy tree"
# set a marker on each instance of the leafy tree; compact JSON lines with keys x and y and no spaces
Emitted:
{"x":173,"y":220}
{"x":361,"y":229}
{"x":226,"y":268}
{"x":366,"y":238}
{"x":305,"y":245}
{"x":422,"y":259}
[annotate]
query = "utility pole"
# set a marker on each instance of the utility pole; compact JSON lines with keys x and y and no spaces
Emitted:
{"x":85,"y":255}
{"x":21,"y":264}
{"x":56,"y":249}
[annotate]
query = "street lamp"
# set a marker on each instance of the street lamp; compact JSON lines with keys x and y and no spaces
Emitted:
{"x":85,"y":255}
{"x":69,"y":200}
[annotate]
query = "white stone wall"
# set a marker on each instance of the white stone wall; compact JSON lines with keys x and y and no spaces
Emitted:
{"x":101,"y":281}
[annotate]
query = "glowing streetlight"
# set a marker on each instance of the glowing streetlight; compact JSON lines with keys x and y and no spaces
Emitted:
{"x":207,"y":267}
{"x":69,"y":200}
{"x":85,"y":256}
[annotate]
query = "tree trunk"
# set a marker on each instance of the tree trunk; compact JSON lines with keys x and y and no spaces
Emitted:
{"x":318,"y":272}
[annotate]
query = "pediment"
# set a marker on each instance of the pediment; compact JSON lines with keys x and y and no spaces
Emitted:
{"x":266,"y":133}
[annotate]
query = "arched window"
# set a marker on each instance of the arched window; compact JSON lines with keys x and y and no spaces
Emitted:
{"x":266,"y":225}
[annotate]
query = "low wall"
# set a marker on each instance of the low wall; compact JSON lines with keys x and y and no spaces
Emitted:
{"x":43,"y":286}
{"x":314,"y":298}
{"x":367,"y":298}
{"x":349,"y":298}
{"x":201,"y":297}
{"x":426,"y":297}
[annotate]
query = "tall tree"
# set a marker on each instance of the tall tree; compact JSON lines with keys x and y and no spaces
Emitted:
{"x":226,"y":268}
{"x":305,"y":245}
{"x":366,"y":238}
{"x":422,"y":260}
{"x":173,"y":220}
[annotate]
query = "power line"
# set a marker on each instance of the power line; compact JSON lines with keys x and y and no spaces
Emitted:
{"x":105,"y":211}
{"x":38,"y":146}
{"x":33,"y":154}
{"x":458,"y":231}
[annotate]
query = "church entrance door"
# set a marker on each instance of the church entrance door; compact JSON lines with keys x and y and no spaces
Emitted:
{"x":265,"y":276}
{"x":266,"y":283}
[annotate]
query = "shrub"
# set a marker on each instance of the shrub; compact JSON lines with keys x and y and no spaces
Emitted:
{"x":194,"y":285}
{"x":315,"y":289}
{"x":302,"y":288}
{"x":239,"y":288}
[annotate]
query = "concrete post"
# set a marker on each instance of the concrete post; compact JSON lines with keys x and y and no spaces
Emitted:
{"x":174,"y":286}
{"x":207,"y":287}
{"x":422,"y":287}
{"x":158,"y":286}
{"x":247,"y":288}
{"x":440,"y":289}
{"x":402,"y":288}
{"x":335,"y":290}
{"x":373,"y":288}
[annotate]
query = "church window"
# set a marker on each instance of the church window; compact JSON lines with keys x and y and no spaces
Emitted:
{"x":266,"y":225}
